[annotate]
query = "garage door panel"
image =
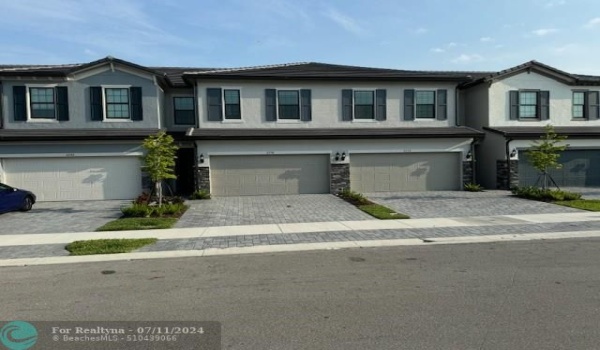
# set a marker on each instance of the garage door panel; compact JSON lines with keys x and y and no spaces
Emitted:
{"x":404,"y":172}
{"x":581,"y":168}
{"x":269,"y":175}
{"x":85,"y":178}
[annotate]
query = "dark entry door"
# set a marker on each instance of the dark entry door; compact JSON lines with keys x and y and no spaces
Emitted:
{"x":184,"y":167}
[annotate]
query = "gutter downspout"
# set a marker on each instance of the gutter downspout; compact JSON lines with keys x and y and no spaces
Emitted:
{"x":507,"y":150}
{"x":456,"y":109}
{"x":473,"y":161}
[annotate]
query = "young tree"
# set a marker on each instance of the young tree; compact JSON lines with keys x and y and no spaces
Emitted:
{"x":544,"y":155}
{"x":159,"y":161}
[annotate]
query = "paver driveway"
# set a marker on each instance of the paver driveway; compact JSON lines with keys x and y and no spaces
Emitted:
{"x":252,"y":210}
{"x":437,"y":204}
{"x":59,"y":217}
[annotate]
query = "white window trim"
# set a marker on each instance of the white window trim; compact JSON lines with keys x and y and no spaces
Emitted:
{"x":104,"y":110}
{"x":584,"y":92}
{"x":374,"y":91}
{"x":289,"y":121}
{"x":435,"y":100}
{"x":28,"y":103}
{"x":173,"y":97}
{"x":231,"y":120}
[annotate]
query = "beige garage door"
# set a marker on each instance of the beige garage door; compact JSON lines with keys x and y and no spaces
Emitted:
{"x":85,"y":178}
{"x":404,"y":172}
{"x":264,"y":175}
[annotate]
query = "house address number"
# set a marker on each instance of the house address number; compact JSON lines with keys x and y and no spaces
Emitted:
{"x":270,"y":152}
{"x":70,"y":155}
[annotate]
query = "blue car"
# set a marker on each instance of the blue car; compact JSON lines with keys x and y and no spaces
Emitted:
{"x":15,"y":199}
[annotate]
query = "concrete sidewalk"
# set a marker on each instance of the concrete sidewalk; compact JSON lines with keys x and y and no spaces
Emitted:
{"x":275,"y":229}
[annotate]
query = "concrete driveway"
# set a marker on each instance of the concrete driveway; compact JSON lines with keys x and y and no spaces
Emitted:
{"x":59,"y":217}
{"x":436,"y":204}
{"x":253,"y":210}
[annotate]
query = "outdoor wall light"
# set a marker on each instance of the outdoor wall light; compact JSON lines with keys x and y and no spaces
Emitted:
{"x":469,"y":155}
{"x":201,"y":158}
{"x":337,"y":157}
{"x":513,"y":152}
{"x":343,"y":155}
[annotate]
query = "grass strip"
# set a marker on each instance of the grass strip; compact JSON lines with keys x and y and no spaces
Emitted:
{"x":126,"y":224}
{"x":107,"y":246}
{"x":584,"y":204}
{"x":381,"y":212}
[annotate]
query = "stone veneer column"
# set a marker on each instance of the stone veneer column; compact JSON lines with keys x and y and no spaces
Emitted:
{"x":467,"y":172}
{"x":203,"y":178}
{"x":339,"y":177}
{"x":504,"y":179}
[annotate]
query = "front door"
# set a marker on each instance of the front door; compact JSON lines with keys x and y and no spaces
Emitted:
{"x":184,"y":167}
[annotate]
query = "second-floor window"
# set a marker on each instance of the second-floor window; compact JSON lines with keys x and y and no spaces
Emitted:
{"x":116,"y":103}
{"x":586,"y":105}
{"x":425,"y":104}
{"x":288,"y":104}
{"x":40,"y":103}
{"x":183,"y":110}
{"x":223,"y":104}
{"x":529,"y":105}
{"x":363,"y":104}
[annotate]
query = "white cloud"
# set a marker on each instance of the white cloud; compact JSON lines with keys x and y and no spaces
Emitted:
{"x":466,"y":58}
{"x":592,"y":23}
{"x":421,"y":30}
{"x":486,"y":39}
{"x":438,"y":50}
{"x":452,"y":44}
{"x":544,"y":31}
{"x":346,"y":22}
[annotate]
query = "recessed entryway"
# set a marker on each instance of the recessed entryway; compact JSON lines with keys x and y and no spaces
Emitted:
{"x":269,"y":174}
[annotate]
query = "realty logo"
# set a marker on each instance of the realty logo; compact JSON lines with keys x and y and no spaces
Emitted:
{"x":18,"y":335}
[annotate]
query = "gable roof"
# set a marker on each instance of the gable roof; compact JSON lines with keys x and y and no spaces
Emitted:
{"x":324,"y":71}
{"x":540,"y":68}
{"x":63,"y":70}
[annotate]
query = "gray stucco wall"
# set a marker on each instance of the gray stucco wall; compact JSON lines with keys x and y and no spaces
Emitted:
{"x":79,"y":102}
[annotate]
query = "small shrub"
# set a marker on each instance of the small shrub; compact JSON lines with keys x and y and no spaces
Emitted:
{"x":200,"y":194}
{"x":353,"y":197}
{"x":171,"y":209}
{"x":145,"y":198}
{"x":137,"y":210}
{"x":545,"y":195}
{"x":472,"y":187}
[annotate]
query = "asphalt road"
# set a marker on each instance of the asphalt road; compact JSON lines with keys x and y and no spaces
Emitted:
{"x":520,"y":295}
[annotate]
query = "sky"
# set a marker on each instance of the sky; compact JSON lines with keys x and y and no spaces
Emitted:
{"x":449,"y":35}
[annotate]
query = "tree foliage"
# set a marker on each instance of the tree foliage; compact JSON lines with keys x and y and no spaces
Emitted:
{"x":545,"y":153}
{"x":159,"y":161}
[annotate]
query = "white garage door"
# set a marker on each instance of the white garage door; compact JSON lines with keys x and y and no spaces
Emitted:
{"x":264,"y":175}
{"x":404,"y":172}
{"x":86,"y":178}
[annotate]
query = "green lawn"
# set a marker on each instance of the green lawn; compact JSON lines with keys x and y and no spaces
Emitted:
{"x":381,"y":212}
{"x":107,"y":246}
{"x":125,"y":224}
{"x":585,"y":204}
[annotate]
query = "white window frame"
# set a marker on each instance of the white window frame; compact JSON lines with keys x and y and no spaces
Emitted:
{"x":104,"y":104}
{"x":584,"y":92}
{"x":231,"y":120}
{"x":28,"y":103}
{"x":374,"y":91}
{"x":435,"y":99}
{"x":291,"y":121}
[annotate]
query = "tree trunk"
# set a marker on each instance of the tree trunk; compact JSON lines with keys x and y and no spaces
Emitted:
{"x":159,"y":192}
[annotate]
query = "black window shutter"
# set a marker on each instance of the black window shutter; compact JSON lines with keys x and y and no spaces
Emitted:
{"x":592,"y":101}
{"x":306,"y":105}
{"x":20,"y":107}
{"x":62,"y":103}
{"x":215,"y":104}
{"x":544,"y":104}
{"x":347,"y":105}
{"x":514,"y":104}
{"x":137,"y":110}
{"x":409,"y":104}
{"x":96,"y":103}
{"x":442,"y":104}
{"x":380,"y":109}
{"x":270,"y":105}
